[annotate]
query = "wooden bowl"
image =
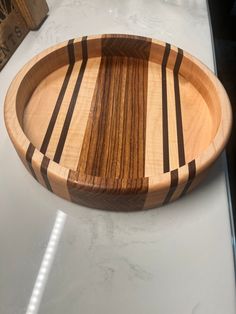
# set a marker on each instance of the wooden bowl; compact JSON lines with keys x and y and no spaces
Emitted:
{"x":117,"y":122}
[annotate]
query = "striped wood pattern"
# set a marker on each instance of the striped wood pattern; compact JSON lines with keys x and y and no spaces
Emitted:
{"x":117,"y":122}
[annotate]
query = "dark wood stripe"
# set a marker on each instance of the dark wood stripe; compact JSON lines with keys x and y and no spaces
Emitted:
{"x":113,"y":149}
{"x":118,"y":45}
{"x":8,"y":4}
{"x":174,"y":178}
{"x":71,"y":53}
{"x":72,"y":104}
{"x":166,"y":158}
{"x":44,"y":172}
{"x":48,"y":134}
{"x":2,"y":16}
{"x":117,"y":119}
{"x":179,"y":124}
{"x":192,"y":174}
{"x":29,"y":155}
{"x":109,"y":195}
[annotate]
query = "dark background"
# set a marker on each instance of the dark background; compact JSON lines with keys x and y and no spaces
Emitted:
{"x":223,"y":20}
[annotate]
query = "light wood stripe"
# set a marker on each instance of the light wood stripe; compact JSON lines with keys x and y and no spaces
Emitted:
{"x":43,"y":142}
{"x":73,"y":144}
{"x":166,"y":161}
{"x":58,"y":184}
{"x":182,"y":182}
{"x":72,"y":104}
{"x":61,"y":95}
{"x":154,"y":136}
{"x":61,"y":116}
{"x":155,"y":197}
{"x":197,"y":121}
{"x":172,"y":128}
{"x":173,"y":185}
{"x":38,"y":158}
{"x":69,"y":114}
{"x":184,"y":186}
{"x":41,"y":106}
{"x":191,"y":176}
{"x":175,"y":128}
{"x":178,"y":110}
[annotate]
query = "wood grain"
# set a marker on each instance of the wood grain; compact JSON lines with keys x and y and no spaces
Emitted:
{"x":33,"y":12}
{"x":117,"y":122}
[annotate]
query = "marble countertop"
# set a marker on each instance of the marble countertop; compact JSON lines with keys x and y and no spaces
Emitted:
{"x":58,"y":257}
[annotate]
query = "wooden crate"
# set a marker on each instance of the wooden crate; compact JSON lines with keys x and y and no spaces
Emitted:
{"x":17,"y":18}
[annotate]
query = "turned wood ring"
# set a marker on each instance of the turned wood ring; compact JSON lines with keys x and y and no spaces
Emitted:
{"x":117,"y":122}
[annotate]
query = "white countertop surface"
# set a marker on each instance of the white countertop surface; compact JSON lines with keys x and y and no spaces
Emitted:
{"x":177,"y":259}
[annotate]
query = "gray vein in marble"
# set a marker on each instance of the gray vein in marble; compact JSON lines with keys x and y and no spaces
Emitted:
{"x":196,"y":308}
{"x":119,"y":264}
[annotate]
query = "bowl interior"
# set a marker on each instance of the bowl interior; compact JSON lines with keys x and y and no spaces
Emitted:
{"x":92,"y":110}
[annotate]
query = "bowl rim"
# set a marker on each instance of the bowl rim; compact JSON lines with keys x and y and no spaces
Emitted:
{"x":160,"y":182}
